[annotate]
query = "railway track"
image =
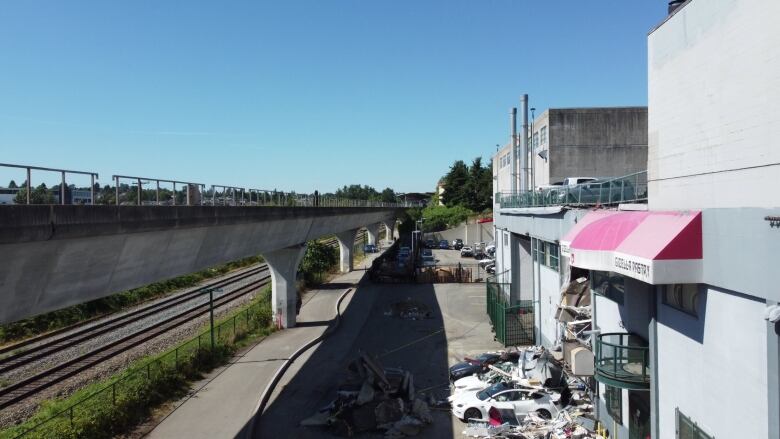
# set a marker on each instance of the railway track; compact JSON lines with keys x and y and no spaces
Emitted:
{"x":59,"y":344}
{"x":49,"y":344}
{"x":32,"y":385}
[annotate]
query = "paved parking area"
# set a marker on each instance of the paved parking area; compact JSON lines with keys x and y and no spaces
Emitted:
{"x":458,"y":326}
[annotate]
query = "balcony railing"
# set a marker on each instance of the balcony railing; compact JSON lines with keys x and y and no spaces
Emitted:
{"x":630,"y":188}
{"x":623,"y":360}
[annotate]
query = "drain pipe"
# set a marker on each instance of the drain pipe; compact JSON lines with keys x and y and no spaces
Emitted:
{"x":513,"y":148}
{"x":523,"y":144}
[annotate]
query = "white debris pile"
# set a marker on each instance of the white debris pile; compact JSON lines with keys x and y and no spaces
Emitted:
{"x":374,"y":398}
{"x":563,"y":426}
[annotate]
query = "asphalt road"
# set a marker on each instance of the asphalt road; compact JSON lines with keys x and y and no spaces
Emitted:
{"x":458,"y":326}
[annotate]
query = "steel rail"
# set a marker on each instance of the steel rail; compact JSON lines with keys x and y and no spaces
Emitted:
{"x":54,"y":346}
{"x":30,"y":386}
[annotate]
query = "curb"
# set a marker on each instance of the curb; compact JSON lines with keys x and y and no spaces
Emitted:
{"x":266,"y":395}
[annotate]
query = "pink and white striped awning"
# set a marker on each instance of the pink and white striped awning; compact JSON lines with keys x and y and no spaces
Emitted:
{"x":654,"y":247}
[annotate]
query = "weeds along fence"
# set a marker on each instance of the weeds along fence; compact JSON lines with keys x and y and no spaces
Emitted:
{"x":128,"y":398}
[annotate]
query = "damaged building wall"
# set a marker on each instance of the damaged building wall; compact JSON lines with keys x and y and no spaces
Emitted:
{"x":713,"y":366}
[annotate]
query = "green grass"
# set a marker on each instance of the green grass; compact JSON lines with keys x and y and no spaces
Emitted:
{"x":117,"y":404}
{"x":68,"y":316}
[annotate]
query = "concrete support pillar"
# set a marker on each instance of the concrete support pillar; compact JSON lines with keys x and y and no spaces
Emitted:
{"x":373,"y":233}
{"x":346,"y":244}
{"x":390,"y":230}
{"x":283,"y":264}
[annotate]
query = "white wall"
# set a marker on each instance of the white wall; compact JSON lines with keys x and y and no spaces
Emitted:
{"x":714,"y":100}
{"x":503,"y":173}
{"x":720,"y":379}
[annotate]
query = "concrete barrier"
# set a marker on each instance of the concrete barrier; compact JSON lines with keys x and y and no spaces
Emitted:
{"x":56,"y":256}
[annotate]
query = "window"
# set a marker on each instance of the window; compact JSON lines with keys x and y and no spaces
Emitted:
{"x":682,"y":297}
{"x":536,"y":140}
{"x":543,"y":136}
{"x":687,"y":429}
{"x":506,"y":239}
{"x":607,"y":284}
{"x":542,"y":252}
{"x":613,"y":399}
{"x":553,"y":254}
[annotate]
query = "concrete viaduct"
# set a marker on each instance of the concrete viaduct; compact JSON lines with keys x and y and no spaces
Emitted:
{"x":55,"y":256}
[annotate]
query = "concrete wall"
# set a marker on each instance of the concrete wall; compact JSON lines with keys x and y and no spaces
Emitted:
{"x":597,"y":142}
{"x":541,"y":167}
{"x":714,"y":97}
{"x":740,"y":247}
{"x":56,"y":256}
{"x":502,"y":170}
{"x":469,"y":233}
{"x":714,"y":367}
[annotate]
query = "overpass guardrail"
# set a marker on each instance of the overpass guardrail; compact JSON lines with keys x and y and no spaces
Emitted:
{"x":129,"y":190}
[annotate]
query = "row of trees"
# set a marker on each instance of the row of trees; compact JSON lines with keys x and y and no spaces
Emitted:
{"x":470,"y":187}
{"x":365,"y":192}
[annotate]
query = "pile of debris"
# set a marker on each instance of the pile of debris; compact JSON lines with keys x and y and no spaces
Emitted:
{"x":374,"y":398}
{"x":563,"y":426}
{"x":409,"y":309}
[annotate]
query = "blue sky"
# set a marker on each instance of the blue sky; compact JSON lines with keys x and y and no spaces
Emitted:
{"x":301,"y":95}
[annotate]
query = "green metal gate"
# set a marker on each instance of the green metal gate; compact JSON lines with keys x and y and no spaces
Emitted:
{"x":513,"y":324}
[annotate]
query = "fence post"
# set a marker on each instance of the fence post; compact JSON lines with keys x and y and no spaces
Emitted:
{"x":71,"y":415}
{"x":176,"y":358}
{"x":113,"y":393}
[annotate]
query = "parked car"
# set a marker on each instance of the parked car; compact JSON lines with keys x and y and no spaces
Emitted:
{"x":444,"y":244}
{"x":427,"y":251}
{"x":457,"y":244}
{"x":370,"y":248}
{"x":507,"y":399}
{"x":466,"y":252}
{"x":485,"y":262}
{"x":428,"y":261}
{"x":479,"y":364}
{"x":430,"y":243}
{"x":491,"y":269}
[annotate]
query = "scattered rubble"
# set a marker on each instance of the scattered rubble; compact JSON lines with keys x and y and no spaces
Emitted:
{"x":409,"y":309}
{"x":374,"y":398}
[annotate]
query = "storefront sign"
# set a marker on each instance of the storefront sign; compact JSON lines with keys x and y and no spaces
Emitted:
{"x":636,"y":269}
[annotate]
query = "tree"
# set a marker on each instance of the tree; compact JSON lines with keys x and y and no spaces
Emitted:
{"x":455,"y":184}
{"x":39,"y":195}
{"x":388,"y":195}
{"x":12,"y":185}
{"x":479,"y":186}
{"x":318,"y":259}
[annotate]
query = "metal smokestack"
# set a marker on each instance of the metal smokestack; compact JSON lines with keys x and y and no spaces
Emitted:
{"x":524,"y":145}
{"x":513,"y":149}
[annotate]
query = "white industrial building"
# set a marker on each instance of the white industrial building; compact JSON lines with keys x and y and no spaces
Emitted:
{"x":681,"y":332}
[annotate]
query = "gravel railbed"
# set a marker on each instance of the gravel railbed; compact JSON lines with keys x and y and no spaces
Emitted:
{"x":21,"y":411}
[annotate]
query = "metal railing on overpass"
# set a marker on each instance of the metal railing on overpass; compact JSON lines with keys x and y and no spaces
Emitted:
{"x":630,"y":188}
{"x":128,"y":190}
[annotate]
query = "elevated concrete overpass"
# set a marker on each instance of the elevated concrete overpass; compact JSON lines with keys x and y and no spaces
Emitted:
{"x":60,"y":255}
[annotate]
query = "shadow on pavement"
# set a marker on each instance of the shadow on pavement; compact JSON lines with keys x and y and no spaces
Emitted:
{"x":417,"y":345}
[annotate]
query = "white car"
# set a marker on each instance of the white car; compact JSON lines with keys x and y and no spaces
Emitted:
{"x":507,"y":399}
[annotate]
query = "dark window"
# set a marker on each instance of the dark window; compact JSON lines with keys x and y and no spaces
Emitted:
{"x":613,"y":399}
{"x":608,"y":284}
{"x":687,"y":429}
{"x":682,"y":297}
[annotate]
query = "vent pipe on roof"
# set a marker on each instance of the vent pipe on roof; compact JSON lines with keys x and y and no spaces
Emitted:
{"x":524,"y":144}
{"x":673,"y":5}
{"x":513,"y":149}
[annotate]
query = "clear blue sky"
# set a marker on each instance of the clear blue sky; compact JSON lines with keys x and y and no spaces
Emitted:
{"x":301,"y":95}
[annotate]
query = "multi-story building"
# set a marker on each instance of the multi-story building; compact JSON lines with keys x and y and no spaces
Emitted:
{"x":579,"y":142}
{"x":681,"y":315}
